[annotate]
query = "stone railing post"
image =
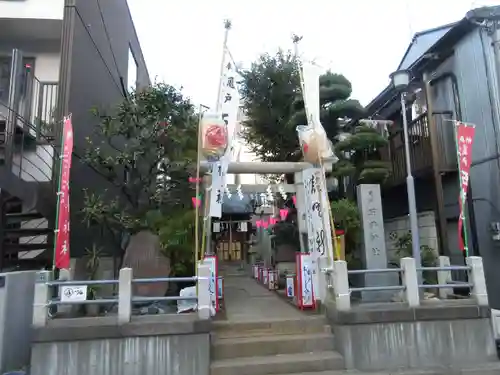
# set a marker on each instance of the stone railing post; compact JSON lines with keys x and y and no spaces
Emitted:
{"x":125,"y":295}
{"x":476,"y":277}
{"x":410,"y":281}
{"x":341,"y":285}
{"x":204,"y":291}
{"x":444,"y":277}
{"x":41,"y":299}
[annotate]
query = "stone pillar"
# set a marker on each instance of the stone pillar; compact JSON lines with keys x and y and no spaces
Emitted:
{"x":444,"y":277}
{"x":476,"y":277}
{"x":125,"y":295}
{"x":341,"y":286}
{"x":41,"y":299}
{"x":374,"y":250}
{"x":410,"y":281}
{"x":204,"y":304}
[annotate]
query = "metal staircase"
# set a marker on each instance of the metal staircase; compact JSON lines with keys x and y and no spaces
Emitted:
{"x":26,"y":238}
{"x":27,"y":160}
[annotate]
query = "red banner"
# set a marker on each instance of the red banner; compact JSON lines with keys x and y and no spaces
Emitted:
{"x":61,"y":251}
{"x":465,"y":139}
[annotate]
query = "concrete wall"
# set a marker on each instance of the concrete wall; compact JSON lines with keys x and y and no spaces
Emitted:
{"x":391,"y":337}
{"x":16,"y":312}
{"x":153,"y":345}
{"x":399,"y":226}
{"x":94,"y":63}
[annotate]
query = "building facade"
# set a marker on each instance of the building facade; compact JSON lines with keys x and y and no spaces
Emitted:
{"x":72,"y":56}
{"x":455,"y":77}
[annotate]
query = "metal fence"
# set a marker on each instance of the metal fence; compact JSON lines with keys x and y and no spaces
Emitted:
{"x":411,"y":281}
{"x":51,"y":294}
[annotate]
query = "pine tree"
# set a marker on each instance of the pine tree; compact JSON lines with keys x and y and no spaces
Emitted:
{"x":359,"y":157}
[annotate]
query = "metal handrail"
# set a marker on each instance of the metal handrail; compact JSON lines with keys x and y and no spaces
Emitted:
{"x":377,"y":288}
{"x":374,"y":270}
{"x":444,"y":286}
{"x":164,"y":279}
{"x":445,"y":268}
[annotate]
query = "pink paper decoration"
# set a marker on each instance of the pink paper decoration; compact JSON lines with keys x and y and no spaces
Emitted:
{"x":194,"y":179}
{"x":294,"y":200}
{"x":283,"y":213}
{"x":272,"y":221}
{"x":258,"y":223}
{"x":265,"y":224}
{"x":196,"y":202}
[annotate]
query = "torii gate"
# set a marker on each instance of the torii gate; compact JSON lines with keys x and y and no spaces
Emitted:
{"x":324,"y":262}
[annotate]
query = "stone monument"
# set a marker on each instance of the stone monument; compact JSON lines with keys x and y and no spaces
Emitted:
{"x":144,"y":256}
{"x":374,"y":253}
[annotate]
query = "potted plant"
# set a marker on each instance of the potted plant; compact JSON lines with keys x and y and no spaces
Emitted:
{"x":92,"y":266}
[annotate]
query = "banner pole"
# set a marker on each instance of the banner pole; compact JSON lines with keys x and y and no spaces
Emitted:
{"x":462,"y":193}
{"x":56,"y":231}
{"x":296,"y":39}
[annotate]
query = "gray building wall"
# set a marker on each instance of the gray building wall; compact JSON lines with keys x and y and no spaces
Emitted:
{"x":473,"y":65}
{"x":94,"y":63}
{"x":16,"y":315}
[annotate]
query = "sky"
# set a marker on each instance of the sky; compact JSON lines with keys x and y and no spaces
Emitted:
{"x":361,"y":39}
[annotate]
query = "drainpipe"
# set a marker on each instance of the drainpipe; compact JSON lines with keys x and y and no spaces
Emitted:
{"x":438,"y":183}
{"x":458,"y":113}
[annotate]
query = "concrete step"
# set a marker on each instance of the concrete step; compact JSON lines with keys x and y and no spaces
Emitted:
{"x":271,"y":345}
{"x":279,"y":364}
{"x":305,"y":325}
{"x":486,"y":369}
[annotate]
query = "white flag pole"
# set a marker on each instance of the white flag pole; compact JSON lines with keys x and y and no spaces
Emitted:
{"x":325,"y":205}
{"x":208,"y":220}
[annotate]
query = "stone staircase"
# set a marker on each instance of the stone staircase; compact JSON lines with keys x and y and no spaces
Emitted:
{"x":289,"y":346}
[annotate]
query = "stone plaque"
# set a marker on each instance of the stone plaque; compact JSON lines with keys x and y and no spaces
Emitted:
{"x":374,"y":252}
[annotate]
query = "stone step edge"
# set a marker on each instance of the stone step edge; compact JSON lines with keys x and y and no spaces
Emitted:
{"x":276,"y":359}
{"x":220,"y":341}
{"x":472,"y":370}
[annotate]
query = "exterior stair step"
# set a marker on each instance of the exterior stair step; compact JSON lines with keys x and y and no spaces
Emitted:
{"x":28,"y":232}
{"x":279,"y":364}
{"x":23,"y":216}
{"x":271,"y":345}
{"x":305,"y":325}
{"x":486,"y":369}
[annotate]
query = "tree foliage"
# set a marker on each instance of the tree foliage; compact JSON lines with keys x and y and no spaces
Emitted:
{"x":335,"y":104}
{"x":274,"y":106}
{"x":359,"y":157}
{"x":269,"y":89}
{"x":145,"y":149}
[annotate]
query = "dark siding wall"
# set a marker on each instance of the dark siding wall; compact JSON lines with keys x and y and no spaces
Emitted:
{"x":94,"y":81}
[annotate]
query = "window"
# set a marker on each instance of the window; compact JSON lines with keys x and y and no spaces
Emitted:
{"x":132,"y":70}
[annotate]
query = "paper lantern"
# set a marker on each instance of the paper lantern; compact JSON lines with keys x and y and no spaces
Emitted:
{"x":214,"y":136}
{"x":265,"y":224}
{"x":294,"y":200}
{"x":258,"y":223}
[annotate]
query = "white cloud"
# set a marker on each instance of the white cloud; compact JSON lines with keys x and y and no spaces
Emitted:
{"x":362,"y":39}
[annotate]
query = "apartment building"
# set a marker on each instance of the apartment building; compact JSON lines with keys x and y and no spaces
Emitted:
{"x":56,"y":57}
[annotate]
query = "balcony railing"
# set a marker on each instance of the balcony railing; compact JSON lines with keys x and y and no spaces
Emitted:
{"x":27,"y":124}
{"x":420,"y":148}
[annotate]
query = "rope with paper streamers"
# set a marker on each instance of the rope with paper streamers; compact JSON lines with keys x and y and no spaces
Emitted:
{"x":259,"y":199}
{"x":296,"y":39}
